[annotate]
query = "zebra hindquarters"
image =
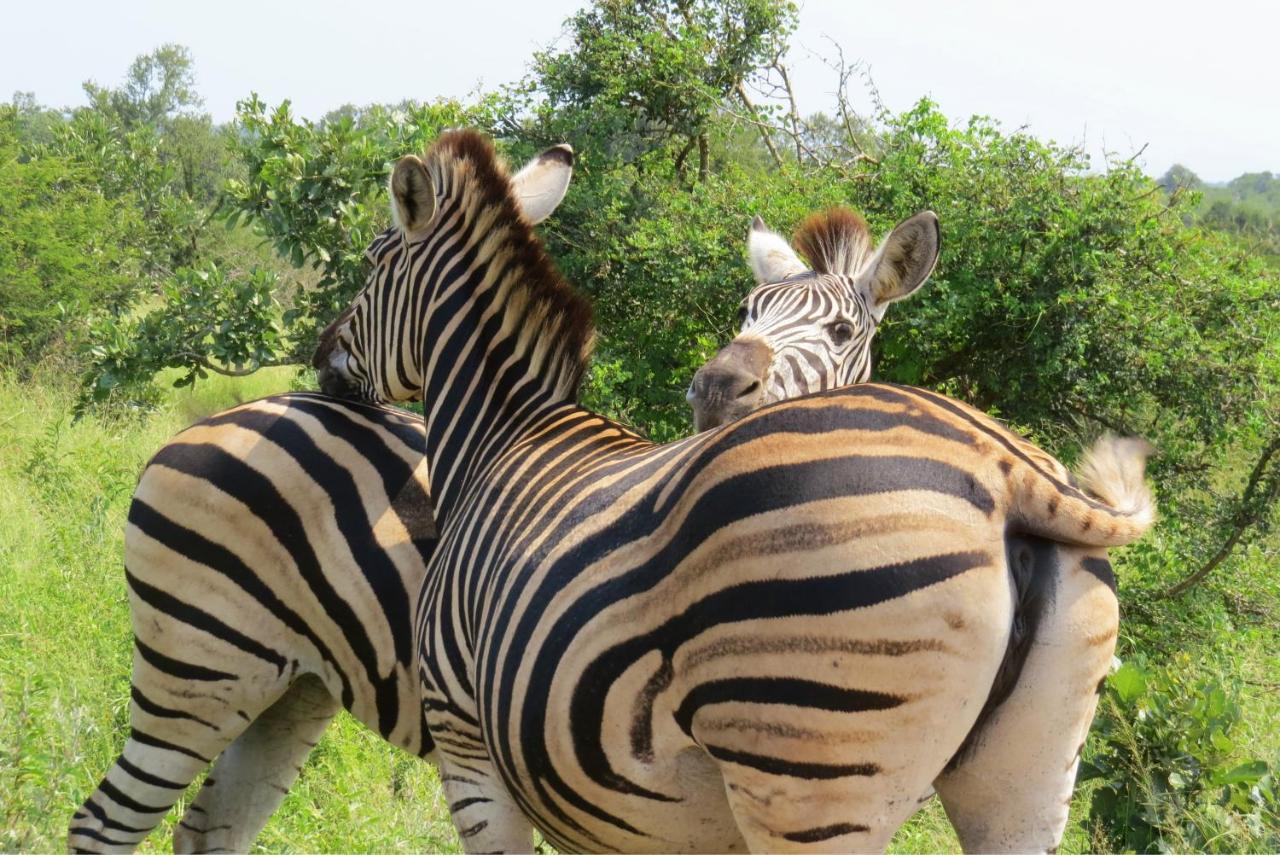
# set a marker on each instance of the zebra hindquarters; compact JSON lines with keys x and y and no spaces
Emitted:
{"x":1010,"y":789}
{"x":828,"y":724}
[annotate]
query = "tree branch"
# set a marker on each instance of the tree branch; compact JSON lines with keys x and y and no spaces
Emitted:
{"x":203,"y":362}
{"x":754,"y":118}
{"x":1243,"y":517}
{"x":794,"y":113}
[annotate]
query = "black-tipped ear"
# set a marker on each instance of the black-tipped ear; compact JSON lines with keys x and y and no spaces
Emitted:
{"x":540,"y":186}
{"x":413,"y":200}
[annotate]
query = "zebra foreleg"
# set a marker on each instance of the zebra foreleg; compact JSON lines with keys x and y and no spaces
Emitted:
{"x":254,"y":773}
{"x":1010,"y":791}
{"x":485,"y":816}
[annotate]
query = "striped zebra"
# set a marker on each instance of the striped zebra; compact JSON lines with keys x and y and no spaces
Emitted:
{"x":272,"y":553}
{"x":777,"y":634}
{"x":1011,"y":783}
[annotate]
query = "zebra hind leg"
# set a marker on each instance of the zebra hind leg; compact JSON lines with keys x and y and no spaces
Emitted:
{"x":182,"y":716}
{"x":1010,"y":789}
{"x":485,"y":816}
{"x":253,"y":775}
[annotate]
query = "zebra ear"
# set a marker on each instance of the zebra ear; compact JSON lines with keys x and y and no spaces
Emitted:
{"x":772,"y":258}
{"x":540,"y":186}
{"x":902,"y":263}
{"x":413,"y":199}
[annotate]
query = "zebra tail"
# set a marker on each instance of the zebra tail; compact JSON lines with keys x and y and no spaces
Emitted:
{"x":1113,"y":506}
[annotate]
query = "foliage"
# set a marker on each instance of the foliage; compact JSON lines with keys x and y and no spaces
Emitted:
{"x":64,"y":246}
{"x":638,"y":75}
{"x":159,"y":87}
{"x":1171,"y":774}
{"x":207,"y":321}
{"x":315,"y":191}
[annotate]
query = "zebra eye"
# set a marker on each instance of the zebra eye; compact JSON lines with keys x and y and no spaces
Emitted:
{"x":742,"y":315}
{"x":840,"y":332}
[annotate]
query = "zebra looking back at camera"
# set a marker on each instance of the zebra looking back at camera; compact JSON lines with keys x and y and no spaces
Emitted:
{"x":773,"y":635}
{"x":272,"y":554}
{"x":809,"y":328}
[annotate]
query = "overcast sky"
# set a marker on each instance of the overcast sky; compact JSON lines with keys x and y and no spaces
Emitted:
{"x":1198,"y":84}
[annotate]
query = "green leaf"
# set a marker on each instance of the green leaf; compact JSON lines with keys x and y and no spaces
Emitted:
{"x":1129,"y":682}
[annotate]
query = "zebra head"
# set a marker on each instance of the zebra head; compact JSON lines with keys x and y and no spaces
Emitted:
{"x":363,"y":355}
{"x":805,"y":328}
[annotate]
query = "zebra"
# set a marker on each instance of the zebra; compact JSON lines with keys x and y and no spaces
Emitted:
{"x":271,"y":555}
{"x":776,"y":634}
{"x":1018,"y":768}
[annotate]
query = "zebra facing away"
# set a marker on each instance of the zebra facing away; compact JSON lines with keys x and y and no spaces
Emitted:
{"x":774,"y":635}
{"x":271,"y":554}
{"x":1010,"y":786}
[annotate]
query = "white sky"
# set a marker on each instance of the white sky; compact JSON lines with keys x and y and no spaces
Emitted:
{"x":1199,"y":84}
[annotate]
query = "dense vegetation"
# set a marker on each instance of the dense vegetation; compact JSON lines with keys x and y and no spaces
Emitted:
{"x":142,"y":246}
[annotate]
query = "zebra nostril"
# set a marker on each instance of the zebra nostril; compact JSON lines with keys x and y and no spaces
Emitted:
{"x":751,"y":388}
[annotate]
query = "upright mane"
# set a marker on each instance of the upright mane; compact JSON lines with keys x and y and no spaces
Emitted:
{"x":552,"y":316}
{"x":834,"y":241}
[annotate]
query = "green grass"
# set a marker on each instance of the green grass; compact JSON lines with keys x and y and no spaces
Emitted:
{"x":65,"y":647}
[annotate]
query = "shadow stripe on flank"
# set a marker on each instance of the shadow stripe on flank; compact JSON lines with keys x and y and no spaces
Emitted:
{"x":788,"y":691}
{"x":778,"y":766}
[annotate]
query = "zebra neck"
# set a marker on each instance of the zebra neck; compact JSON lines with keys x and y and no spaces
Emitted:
{"x":504,"y":339}
{"x":497,"y":371}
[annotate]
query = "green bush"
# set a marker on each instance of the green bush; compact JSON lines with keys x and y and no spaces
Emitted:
{"x":1171,"y":776}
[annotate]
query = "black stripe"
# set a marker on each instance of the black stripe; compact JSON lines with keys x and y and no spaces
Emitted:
{"x":236,"y":478}
{"x":475,"y":829}
{"x":152,"y":708}
{"x":108,"y":822}
{"x":112,"y":792}
{"x":147,"y":777}
{"x":461,"y":804}
{"x":198,"y":548}
{"x":1101,"y":568}
{"x":778,"y":766}
{"x":175,"y":668}
{"x":826,"y":832}
{"x":788,"y":691}
{"x":94,"y":835}
{"x":147,"y":739}
{"x":170,"y":605}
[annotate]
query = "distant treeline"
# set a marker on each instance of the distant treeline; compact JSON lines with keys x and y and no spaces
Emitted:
{"x":1248,"y":206}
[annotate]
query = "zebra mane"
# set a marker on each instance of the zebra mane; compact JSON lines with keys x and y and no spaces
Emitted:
{"x":554,"y":319}
{"x":834,"y":241}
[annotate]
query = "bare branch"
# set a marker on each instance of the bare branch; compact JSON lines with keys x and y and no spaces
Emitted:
{"x":754,"y":118}
{"x":204,"y":362}
{"x":1244,"y":519}
{"x":794,"y":113}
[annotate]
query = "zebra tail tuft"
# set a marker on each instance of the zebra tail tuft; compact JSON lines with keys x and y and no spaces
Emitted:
{"x":1114,"y":470}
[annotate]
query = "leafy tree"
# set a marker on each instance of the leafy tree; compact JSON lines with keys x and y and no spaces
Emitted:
{"x":640,"y":76}
{"x":64,"y":248}
{"x":159,"y":87}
